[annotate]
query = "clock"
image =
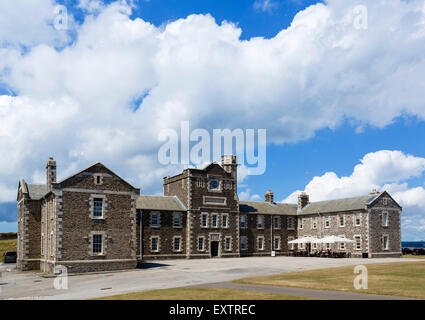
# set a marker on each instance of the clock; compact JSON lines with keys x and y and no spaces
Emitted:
{"x":214,"y":184}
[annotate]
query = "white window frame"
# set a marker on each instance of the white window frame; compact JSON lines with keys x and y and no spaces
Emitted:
{"x":225,"y":217}
{"x":387,"y":247}
{"x":342,"y":246}
{"x":277,"y":248}
{"x":355,"y":244}
{"x":314,"y":246}
{"x":276,"y":223}
{"x":244,"y":241}
{"x":102,"y":201}
{"x":158,"y":224}
{"x":290,"y":245}
{"x":51,"y":247}
{"x":385,"y":201}
{"x":230,"y":243}
{"x":216,"y":220}
{"x":245,"y":217}
{"x":343,"y":220}
{"x":300,"y":223}
{"x":262,"y":243}
{"x":204,"y":214}
{"x":180,"y":220}
{"x":360,"y":219}
{"x":180,"y":244}
{"x":385,"y":222}
{"x":291,"y":223}
{"x":327,"y":222}
{"x":260,"y":226}
{"x":158,"y":241}
{"x":102,"y":244}
{"x":314,"y":223}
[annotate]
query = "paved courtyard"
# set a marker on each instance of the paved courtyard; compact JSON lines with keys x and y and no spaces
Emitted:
{"x":161,"y":275}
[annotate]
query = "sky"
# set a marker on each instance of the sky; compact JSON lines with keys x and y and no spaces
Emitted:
{"x":338,"y":85}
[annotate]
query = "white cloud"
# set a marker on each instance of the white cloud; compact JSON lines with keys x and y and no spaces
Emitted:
{"x":91,"y":6}
{"x":265,"y":5}
{"x":77,"y":103}
{"x":248,"y":196}
{"x":381,"y":170}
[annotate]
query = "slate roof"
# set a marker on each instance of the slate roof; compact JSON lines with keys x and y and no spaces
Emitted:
{"x":267,"y":208}
{"x":160,"y":203}
{"x":37,"y":191}
{"x":347,"y":204}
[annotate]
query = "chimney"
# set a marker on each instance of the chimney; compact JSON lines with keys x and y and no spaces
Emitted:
{"x":230,"y":165}
{"x":268,"y":197}
{"x":50,"y":173}
{"x":303,"y":200}
{"x":374,"y":192}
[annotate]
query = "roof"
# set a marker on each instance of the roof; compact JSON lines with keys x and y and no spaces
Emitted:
{"x":267,"y":208}
{"x":347,"y":204}
{"x":37,"y":191}
{"x":169,"y":203}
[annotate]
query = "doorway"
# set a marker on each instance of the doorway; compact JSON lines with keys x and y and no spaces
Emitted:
{"x":214,"y":249}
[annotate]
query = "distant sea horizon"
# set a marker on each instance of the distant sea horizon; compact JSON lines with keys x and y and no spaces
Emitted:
{"x":413,"y":244}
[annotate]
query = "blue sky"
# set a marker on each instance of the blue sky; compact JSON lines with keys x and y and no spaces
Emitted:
{"x":343,"y":106}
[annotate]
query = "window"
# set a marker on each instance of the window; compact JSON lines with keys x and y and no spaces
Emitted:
{"x":214,"y":220}
{"x":385,"y":219}
{"x":228,"y":243}
{"x":314,"y":246}
{"x":290,"y":245}
{"x":176,"y":244}
{"x":314,"y":223}
{"x":177,"y":220}
{"x":51,"y":244}
{"x":155,"y":244}
{"x":291,"y":223}
{"x":155,"y":220}
{"x":244,"y":245}
{"x":277,"y":243}
{"x":224,"y":220}
{"x":301,"y":246}
{"x":385,"y":201}
{"x":98,"y":179}
{"x":260,"y":222}
{"x":243,"y":222}
{"x":204,"y":220}
{"x":201,"y":244}
{"x":385,"y":242}
{"x":342,"y":244}
{"x":327,"y":222}
{"x":357,"y":219}
{"x":97,"y":207}
{"x":358,"y":244}
{"x":260,"y":243}
{"x":276,"y":223}
{"x":300,"y":223}
{"x":97,"y":244}
{"x":341,"y":220}
{"x":328,"y":246}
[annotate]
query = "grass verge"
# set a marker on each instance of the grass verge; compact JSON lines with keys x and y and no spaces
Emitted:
{"x":201,"y":294}
{"x":413,"y":256}
{"x":7,"y":245}
{"x":396,"y":279}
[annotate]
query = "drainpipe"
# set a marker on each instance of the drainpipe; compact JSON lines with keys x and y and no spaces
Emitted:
{"x":320,"y":230}
{"x":271,"y":235}
{"x":141,"y":235}
{"x":46,"y":236}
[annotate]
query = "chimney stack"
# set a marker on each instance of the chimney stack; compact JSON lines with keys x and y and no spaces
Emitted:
{"x":303,"y":200}
{"x":373,"y":192}
{"x":268,"y":197}
{"x":50,"y":173}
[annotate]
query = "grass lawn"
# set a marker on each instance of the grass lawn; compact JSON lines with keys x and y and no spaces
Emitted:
{"x":201,"y":294}
{"x":397,"y":279}
{"x":413,"y":256}
{"x":7,"y":245}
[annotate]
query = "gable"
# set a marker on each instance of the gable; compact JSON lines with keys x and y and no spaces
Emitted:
{"x":97,"y":176}
{"x":390,"y":202}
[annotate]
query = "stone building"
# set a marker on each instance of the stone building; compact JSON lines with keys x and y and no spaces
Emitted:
{"x":95,"y":220}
